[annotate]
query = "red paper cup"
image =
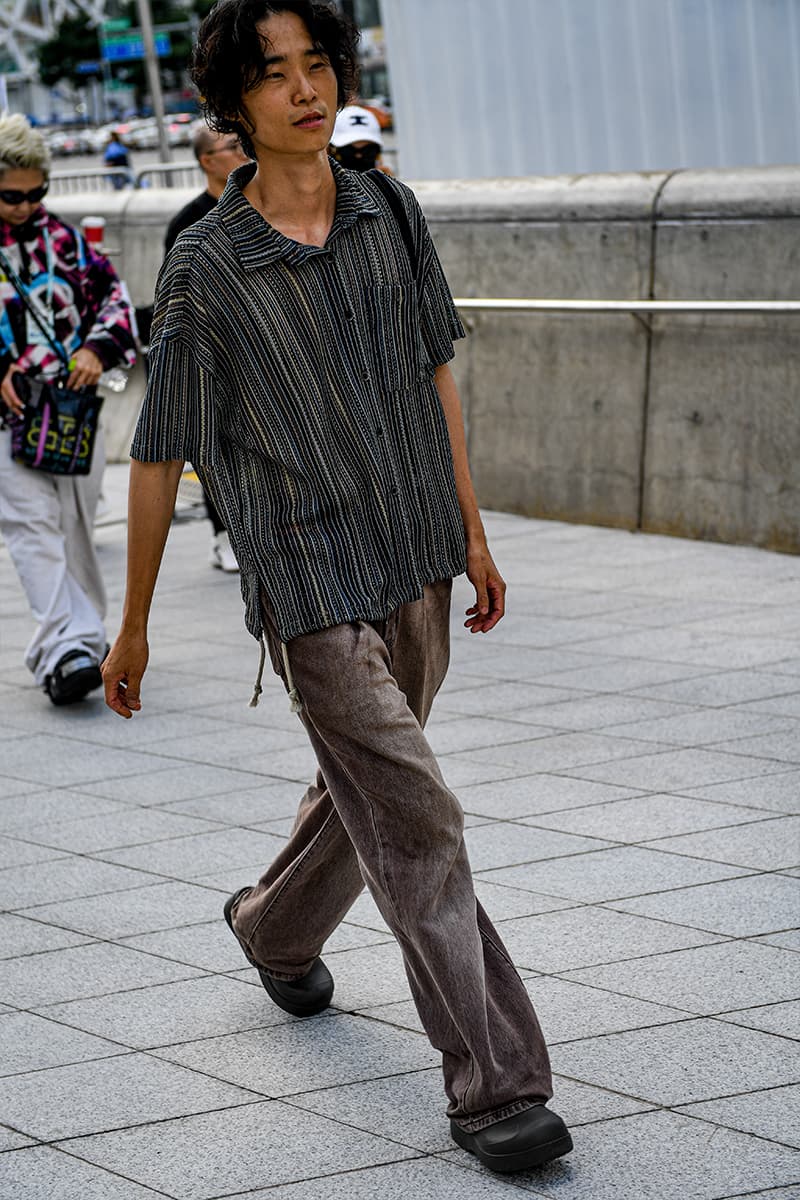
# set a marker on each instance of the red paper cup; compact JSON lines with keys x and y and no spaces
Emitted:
{"x":94,"y":230}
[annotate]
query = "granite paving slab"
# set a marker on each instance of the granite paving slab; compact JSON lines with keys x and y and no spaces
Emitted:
{"x":137,"y":910}
{"x":171,"y":1013}
{"x":168,"y":781}
{"x":789,"y":939}
{"x":92,"y":970}
{"x":44,"y":1172}
{"x":592,"y":713}
{"x":208,"y":945}
{"x":778,"y":793}
{"x":123,"y":827}
{"x":773,"y":1113}
{"x":39,"y":807}
{"x":620,"y":676}
{"x":68,"y":878}
{"x":705,"y":979}
{"x":701,"y":727}
{"x":504,"y":903}
{"x":60,"y":761}
{"x":612,"y":874}
{"x":635,"y":1157}
{"x":266,"y":1144}
{"x":676,"y":770}
{"x":569,"y":1011}
{"x":561,"y":751}
{"x":11,"y":1140}
{"x":737,"y":907}
{"x":562,"y":941}
{"x":248,"y":806}
{"x":109,"y":1093}
{"x":406,"y":1108}
{"x":20,"y":936}
{"x":31,"y":1043}
{"x":644,"y":818}
{"x":430,"y":1178}
{"x":467,"y":733}
{"x":505,"y":699}
{"x":765,"y":845}
{"x":526,"y":795}
{"x":682,"y":1062}
{"x":722,"y":688}
{"x":301,"y":1056}
{"x":786,"y":705}
{"x":582,"y":1104}
{"x":201,"y":854}
{"x":783,"y":1019}
{"x":504,"y":844}
{"x":783,"y":745}
{"x":15,"y":852}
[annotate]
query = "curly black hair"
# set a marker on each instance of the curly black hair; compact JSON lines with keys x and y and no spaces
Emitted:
{"x":228,"y":59}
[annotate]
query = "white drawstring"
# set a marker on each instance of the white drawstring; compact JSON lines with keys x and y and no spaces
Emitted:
{"x":257,"y":689}
{"x":294,"y":696}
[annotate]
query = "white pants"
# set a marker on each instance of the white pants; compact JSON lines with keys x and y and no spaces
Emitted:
{"x":46,"y":522}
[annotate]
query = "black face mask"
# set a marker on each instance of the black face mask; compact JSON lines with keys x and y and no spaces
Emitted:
{"x":357,"y":158}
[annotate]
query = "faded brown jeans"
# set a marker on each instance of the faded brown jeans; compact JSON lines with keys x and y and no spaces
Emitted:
{"x":380,"y":813}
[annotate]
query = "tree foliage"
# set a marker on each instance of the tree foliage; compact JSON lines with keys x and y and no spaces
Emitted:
{"x":75,"y":41}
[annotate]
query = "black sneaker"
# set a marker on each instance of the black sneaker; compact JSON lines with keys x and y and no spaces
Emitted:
{"x":304,"y":997}
{"x":525,"y":1140}
{"x":75,"y":675}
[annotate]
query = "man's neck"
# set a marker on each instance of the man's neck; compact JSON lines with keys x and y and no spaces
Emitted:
{"x":296,"y":195}
{"x":214,"y":188}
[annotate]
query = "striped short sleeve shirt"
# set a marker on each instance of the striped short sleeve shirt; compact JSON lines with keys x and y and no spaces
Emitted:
{"x":299,"y":382}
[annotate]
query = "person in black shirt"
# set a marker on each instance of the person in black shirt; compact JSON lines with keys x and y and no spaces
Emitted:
{"x":218,"y":154}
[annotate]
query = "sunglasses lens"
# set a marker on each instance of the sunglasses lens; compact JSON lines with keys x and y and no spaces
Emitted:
{"x":33,"y":197}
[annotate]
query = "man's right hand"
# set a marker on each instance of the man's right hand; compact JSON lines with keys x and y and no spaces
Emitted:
{"x":122,"y":670}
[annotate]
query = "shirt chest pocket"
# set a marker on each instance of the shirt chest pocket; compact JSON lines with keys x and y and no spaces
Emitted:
{"x":391,"y":329}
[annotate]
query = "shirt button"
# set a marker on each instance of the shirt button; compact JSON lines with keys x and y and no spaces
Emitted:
{"x":379,"y":430}
{"x":349,"y":315}
{"x":395,"y":491}
{"x":365,"y":375}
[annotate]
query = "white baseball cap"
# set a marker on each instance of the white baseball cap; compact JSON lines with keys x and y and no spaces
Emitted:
{"x":356,"y":124}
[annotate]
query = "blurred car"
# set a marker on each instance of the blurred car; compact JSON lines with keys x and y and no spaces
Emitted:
{"x":382,"y":108}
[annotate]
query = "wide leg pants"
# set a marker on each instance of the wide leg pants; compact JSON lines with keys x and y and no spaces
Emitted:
{"x":46,"y":522}
{"x":380,"y":813}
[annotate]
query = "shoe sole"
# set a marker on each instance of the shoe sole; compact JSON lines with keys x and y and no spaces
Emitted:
{"x":79,"y":685}
{"x":522,"y":1160}
{"x":295,"y":1010}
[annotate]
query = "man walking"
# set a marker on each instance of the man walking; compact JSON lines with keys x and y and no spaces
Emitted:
{"x":217,"y":155}
{"x":301,"y":340}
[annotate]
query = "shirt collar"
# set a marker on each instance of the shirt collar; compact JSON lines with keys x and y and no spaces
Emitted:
{"x":258,"y":244}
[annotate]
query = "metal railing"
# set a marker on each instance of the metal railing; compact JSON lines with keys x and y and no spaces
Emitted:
{"x":88,"y":179}
{"x":483,"y":304}
{"x":110,"y":179}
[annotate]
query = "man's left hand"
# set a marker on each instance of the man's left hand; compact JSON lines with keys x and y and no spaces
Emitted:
{"x":490,"y":590}
{"x":86,"y":369}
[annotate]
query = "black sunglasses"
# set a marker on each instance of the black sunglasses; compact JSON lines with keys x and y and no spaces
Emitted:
{"x":13,"y":198}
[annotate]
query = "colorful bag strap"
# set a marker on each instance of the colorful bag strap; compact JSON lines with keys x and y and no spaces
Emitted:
{"x":19,"y":288}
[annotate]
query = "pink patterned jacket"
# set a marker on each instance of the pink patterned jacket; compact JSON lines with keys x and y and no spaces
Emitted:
{"x":74,"y":289}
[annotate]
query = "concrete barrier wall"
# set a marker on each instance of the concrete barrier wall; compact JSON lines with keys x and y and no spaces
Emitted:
{"x":682,"y":424}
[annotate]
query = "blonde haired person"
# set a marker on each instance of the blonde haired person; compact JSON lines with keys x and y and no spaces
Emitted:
{"x":46,"y":520}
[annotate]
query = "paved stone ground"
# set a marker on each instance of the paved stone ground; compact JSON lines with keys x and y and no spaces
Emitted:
{"x":627,"y":748}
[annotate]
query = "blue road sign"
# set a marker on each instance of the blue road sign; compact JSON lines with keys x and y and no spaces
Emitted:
{"x":130,"y":46}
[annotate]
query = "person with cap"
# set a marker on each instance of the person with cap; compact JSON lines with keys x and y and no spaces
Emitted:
{"x":356,"y":141}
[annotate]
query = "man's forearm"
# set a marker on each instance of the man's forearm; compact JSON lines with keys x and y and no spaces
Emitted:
{"x":451,"y":405}
{"x":151,"y":503}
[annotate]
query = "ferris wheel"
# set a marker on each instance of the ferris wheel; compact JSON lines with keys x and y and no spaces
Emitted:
{"x":24,"y":24}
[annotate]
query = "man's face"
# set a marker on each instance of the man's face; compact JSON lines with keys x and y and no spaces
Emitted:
{"x":222,"y":157}
{"x":293,"y":110}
